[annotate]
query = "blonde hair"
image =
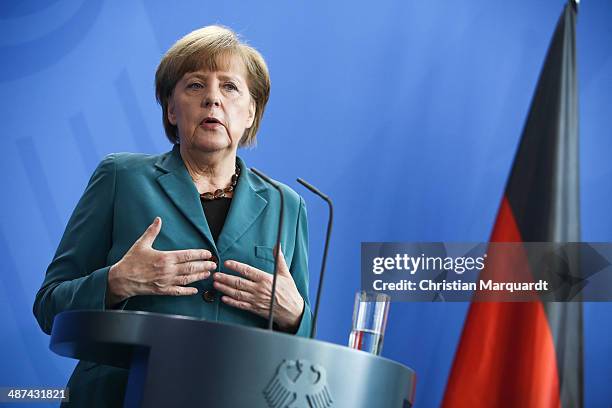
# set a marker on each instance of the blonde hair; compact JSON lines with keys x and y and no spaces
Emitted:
{"x":208,"y":48}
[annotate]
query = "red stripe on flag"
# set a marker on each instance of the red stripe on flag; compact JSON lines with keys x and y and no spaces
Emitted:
{"x":506,"y":356}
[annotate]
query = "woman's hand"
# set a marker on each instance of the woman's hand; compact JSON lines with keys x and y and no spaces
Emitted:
{"x":147,"y":271}
{"x":253,"y":292}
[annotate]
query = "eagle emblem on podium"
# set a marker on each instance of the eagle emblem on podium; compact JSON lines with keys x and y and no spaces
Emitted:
{"x":298,"y":384}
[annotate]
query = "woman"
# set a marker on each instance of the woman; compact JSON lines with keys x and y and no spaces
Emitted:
{"x":191,"y":231}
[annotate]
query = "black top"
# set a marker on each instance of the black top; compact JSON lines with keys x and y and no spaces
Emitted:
{"x":216,"y":212}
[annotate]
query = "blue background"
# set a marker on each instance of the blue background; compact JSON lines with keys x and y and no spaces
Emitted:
{"x":407,"y":113}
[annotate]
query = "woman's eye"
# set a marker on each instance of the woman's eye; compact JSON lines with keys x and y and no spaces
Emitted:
{"x":230,"y":86}
{"x":195,"y":85}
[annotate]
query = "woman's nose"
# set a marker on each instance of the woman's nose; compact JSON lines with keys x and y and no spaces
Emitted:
{"x":212,"y":100}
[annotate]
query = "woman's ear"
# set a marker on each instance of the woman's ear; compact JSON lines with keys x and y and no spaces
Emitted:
{"x":170,"y":111}
{"x":252,"y":110}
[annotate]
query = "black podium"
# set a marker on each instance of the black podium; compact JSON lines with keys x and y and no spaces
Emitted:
{"x":177,"y":361}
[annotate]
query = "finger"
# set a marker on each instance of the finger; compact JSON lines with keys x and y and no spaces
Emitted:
{"x":237,"y":295}
{"x":235,"y":282}
{"x":189,"y":268}
{"x":247,"y":271}
{"x":188,"y":255}
{"x":148,"y":237}
{"x":184,"y":280}
{"x":283,"y":269}
{"x":177,"y":291}
{"x":236,"y":303}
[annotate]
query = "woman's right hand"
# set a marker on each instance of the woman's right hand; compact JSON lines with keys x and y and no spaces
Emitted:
{"x":147,"y":271}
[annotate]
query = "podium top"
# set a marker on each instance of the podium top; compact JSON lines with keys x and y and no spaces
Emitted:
{"x":177,"y":347}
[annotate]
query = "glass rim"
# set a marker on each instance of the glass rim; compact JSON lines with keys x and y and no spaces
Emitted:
{"x":370,"y":296}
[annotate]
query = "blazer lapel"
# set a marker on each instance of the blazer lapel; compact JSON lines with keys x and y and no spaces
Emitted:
{"x":247,"y":205}
{"x":178,"y":185}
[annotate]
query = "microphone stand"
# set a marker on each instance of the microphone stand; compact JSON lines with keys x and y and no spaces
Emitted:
{"x":278,"y":239}
{"x":330,"y":221}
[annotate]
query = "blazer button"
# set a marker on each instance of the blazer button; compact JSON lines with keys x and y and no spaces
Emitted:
{"x":208,"y":296}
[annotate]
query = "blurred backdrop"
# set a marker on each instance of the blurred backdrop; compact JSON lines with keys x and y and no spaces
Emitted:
{"x":407,"y":113}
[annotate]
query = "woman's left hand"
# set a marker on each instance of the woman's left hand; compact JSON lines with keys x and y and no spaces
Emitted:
{"x":252,"y":291}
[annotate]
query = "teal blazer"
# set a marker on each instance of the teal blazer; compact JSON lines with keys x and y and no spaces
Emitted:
{"x":126,"y":192}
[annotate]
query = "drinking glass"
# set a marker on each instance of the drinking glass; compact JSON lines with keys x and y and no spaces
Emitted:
{"x":369,"y":321}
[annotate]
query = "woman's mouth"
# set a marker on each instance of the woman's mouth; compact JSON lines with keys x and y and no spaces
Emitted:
{"x":211,"y":123}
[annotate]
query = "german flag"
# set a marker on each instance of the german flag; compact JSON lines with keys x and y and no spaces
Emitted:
{"x":529,"y":354}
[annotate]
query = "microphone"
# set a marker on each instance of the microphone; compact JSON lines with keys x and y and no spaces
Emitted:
{"x":278,"y":238}
{"x":330,"y":221}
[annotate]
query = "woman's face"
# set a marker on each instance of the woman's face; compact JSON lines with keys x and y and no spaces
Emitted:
{"x":212,"y":109}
